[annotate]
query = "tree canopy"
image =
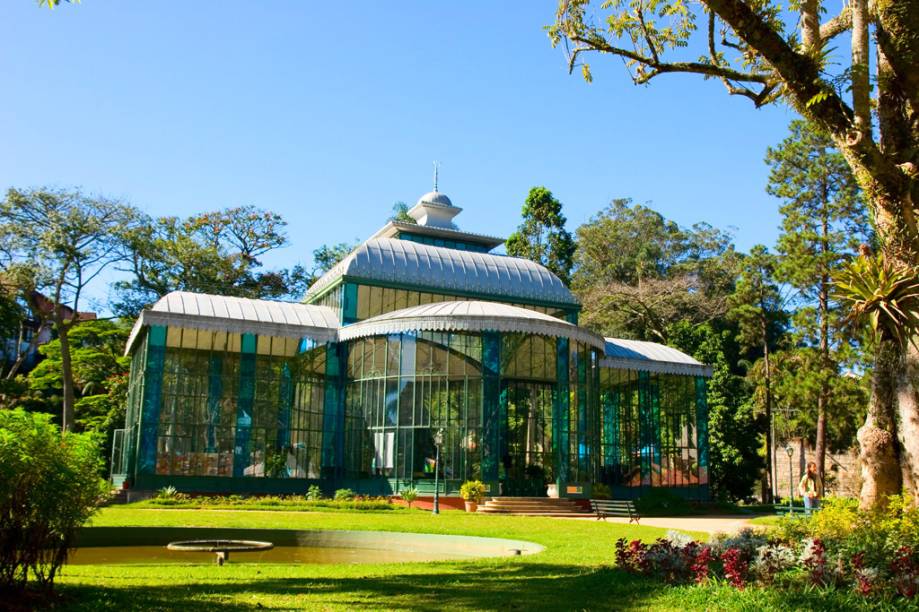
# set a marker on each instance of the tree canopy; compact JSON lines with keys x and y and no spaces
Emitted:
{"x":542,"y":236}
{"x":212,"y":252}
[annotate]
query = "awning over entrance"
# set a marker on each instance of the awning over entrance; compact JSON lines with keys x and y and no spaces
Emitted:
{"x":650,"y":357}
{"x":469,"y":316}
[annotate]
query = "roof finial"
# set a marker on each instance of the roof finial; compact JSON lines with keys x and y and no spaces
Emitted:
{"x":436,"y":166}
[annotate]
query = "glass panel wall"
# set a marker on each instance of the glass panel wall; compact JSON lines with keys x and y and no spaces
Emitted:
{"x":649,"y":429}
{"x":243,"y":406}
{"x":373,"y":301}
{"x":401,"y":389}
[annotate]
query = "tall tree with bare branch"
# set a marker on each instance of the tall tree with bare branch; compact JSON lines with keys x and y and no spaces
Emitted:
{"x":63,"y":240}
{"x":750,"y":49}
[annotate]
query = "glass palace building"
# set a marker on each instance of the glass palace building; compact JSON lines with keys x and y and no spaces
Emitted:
{"x":420,"y":329}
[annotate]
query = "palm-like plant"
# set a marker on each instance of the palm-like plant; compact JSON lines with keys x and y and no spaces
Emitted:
{"x":882,"y":295}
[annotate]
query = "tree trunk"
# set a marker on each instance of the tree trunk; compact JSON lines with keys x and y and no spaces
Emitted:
{"x":67,"y":418}
{"x":908,"y":413}
{"x":769,"y":441}
{"x":820,"y":446}
{"x":879,"y":454}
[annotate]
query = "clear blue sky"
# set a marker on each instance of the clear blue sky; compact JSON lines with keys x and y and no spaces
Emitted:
{"x":330,"y":112}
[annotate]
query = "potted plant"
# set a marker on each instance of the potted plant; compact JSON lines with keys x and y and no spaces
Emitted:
{"x":472,"y":493}
{"x":409,"y":496}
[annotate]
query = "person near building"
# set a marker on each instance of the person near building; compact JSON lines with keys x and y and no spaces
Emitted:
{"x":811,"y":488}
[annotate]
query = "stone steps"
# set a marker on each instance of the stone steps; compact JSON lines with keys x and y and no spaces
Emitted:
{"x":531,"y":506}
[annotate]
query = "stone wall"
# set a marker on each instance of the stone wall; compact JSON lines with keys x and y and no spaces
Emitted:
{"x":842,"y":475}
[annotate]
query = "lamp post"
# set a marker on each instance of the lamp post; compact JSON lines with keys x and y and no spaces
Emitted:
{"x":438,"y":442}
{"x":791,"y":478}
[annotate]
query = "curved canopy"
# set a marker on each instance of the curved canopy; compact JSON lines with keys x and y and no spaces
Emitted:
{"x":239,"y":315}
{"x":468,"y":316}
{"x":650,"y":357}
{"x":431,"y":268}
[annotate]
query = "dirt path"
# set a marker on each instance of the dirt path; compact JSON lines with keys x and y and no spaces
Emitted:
{"x":710,"y":524}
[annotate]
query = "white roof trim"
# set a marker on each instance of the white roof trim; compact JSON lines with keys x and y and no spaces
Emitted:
{"x":238,"y":316}
{"x":650,"y":357}
{"x":469,"y":316}
{"x":439,"y":269}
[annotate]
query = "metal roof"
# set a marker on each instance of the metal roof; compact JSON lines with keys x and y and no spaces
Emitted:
{"x":285,"y":319}
{"x":470,"y":316}
{"x":439,"y":269}
{"x":239,"y":315}
{"x":392,"y":229}
{"x":650,"y":357}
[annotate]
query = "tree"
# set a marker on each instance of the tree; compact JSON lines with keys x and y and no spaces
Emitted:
{"x":100,"y":372}
{"x":824,"y":221}
{"x":400,"y":213}
{"x":542,"y":236}
{"x":328,"y":255}
{"x":212,"y":252}
{"x":733,"y":428}
{"x":64,"y":240}
{"x":749,"y":48}
{"x":884,"y":298}
{"x":757,"y":306}
{"x":636,"y":272}
{"x":798,"y":378}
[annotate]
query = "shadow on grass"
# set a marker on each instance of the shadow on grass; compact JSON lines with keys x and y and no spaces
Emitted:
{"x":515,"y":587}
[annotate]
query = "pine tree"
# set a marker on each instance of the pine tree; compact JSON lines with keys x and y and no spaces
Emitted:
{"x":824,"y":220}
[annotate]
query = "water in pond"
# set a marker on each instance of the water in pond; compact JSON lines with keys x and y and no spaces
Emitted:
{"x":103,"y":555}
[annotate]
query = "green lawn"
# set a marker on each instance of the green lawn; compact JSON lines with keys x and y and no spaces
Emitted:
{"x":574,"y":572}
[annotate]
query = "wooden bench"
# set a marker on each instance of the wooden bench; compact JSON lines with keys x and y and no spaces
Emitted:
{"x":781,"y":510}
{"x":614,"y":507}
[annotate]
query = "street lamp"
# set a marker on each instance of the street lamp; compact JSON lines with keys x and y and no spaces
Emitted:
{"x":438,"y":442}
{"x":791,"y":478}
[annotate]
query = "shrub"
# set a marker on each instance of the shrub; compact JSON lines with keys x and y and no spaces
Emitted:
{"x":409,"y":495}
{"x":675,"y":559}
{"x":735,"y":567}
{"x":49,"y":486}
{"x":771,"y":559}
{"x":473,"y":490}
{"x":601,"y":491}
{"x":313,"y":493}
{"x":344,"y":495}
{"x":659,"y":502}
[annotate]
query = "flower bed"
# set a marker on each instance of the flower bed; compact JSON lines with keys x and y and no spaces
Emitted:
{"x":343,"y":500}
{"x":875,"y":554}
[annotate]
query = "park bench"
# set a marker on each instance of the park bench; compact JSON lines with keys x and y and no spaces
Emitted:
{"x":614,"y":507}
{"x":784,"y":510}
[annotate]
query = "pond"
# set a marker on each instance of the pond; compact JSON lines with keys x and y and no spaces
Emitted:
{"x":147,"y":545}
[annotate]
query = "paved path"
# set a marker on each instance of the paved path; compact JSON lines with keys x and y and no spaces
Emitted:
{"x":729,"y":523}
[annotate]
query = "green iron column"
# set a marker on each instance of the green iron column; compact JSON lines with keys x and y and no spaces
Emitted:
{"x":333,"y":417}
{"x":491,"y":410}
{"x":152,"y":397}
{"x":702,"y":434}
{"x":244,"y":405}
{"x":348,"y":303}
{"x":560,"y":416}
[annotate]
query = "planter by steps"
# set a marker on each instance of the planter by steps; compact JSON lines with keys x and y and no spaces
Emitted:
{"x":471,"y":506}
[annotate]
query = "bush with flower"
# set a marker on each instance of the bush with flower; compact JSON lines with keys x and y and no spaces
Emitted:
{"x":874,"y":554}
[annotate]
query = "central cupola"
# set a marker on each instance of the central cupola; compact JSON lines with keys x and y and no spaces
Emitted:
{"x":434,"y":209}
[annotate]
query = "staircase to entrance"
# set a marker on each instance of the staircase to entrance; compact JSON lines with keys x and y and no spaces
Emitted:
{"x":532,"y":506}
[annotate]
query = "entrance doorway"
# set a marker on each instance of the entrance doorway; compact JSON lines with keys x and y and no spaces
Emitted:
{"x":529,"y":463}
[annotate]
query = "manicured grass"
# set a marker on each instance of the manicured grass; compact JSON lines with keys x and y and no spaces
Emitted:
{"x":574,"y":572}
{"x":766,"y":521}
